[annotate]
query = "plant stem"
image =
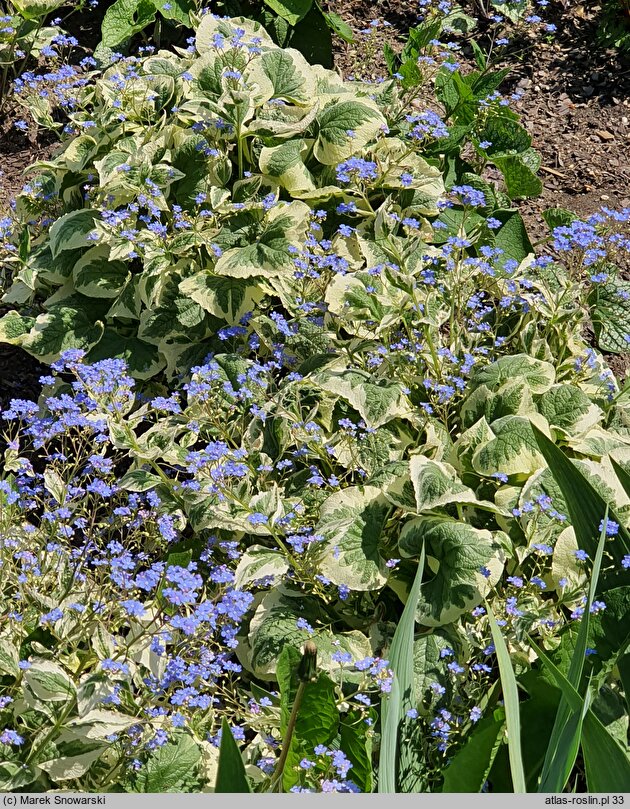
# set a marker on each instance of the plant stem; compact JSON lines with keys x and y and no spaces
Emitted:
{"x":279,"y":771}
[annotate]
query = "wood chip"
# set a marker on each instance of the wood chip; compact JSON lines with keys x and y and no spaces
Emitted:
{"x":555,"y":172}
{"x":604,"y":135}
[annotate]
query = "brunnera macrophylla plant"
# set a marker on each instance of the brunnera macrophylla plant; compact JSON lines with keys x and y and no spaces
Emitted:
{"x":186,"y":195}
{"x":166,"y":556}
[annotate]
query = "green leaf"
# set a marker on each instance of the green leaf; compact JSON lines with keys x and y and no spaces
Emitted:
{"x":259,"y":562}
{"x":435,"y":485}
{"x":469,"y":767}
{"x":171,"y":766}
{"x":79,"y":152}
{"x":558,"y":217}
{"x":520,"y":180}
{"x":143,"y":359}
{"x":352,"y":522}
{"x":13,"y":327}
{"x":356,"y":743}
{"x":269,"y":254}
{"x":339,"y":26}
{"x":96,"y":276}
{"x":333,"y":143}
{"x":312,"y":37}
{"x":456,"y":553}
{"x":505,"y":135}
{"x":123,"y":19}
{"x":540,"y":375}
{"x":585,"y":505}
{"x":224,"y":297}
{"x":512,"y":451}
{"x":231,"y":775}
{"x":512,"y":236}
{"x":290,"y":10}
{"x":60,"y":329}
{"x":13,"y":776}
{"x":610,"y":314}
{"x":400,"y":699}
{"x":567,"y":730}
{"x":70,"y":231}
{"x":274,"y":626}
{"x":377,"y":400}
{"x":317,"y":719}
{"x":606,"y":763}
{"x":49,"y":682}
{"x":36,"y":9}
{"x":512,"y":707}
{"x":288,"y":74}
{"x":569,"y":408}
{"x":139,"y":480}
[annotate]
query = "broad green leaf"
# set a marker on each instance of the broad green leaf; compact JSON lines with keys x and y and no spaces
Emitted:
{"x":352,"y":522}
{"x":513,"y":398}
{"x":435,"y":485}
{"x":360,"y":118}
{"x":123,"y":19}
{"x":286,"y":74}
{"x":74,"y":763}
{"x":143,"y":360}
{"x":96,"y":276}
{"x":512,"y":236}
{"x":139,"y":480}
{"x":70,"y":231}
{"x":13,"y":776}
{"x":428,"y":667}
{"x":520,"y":180}
{"x":49,"y":682}
{"x":570,"y":409}
{"x":456,"y":554}
{"x":269,"y":255}
{"x":36,"y":9}
{"x":285,"y":164}
{"x":356,"y":742}
{"x":211,"y":25}
{"x":290,"y":10}
{"x":98,"y":724}
{"x":231,"y":774}
{"x":539,"y":375}
{"x":512,"y":451}
{"x":317,"y":719}
{"x":224,"y":297}
{"x":171,"y":766}
{"x":259,"y":563}
{"x":79,"y":152}
{"x":610,"y":315}
{"x":9,"y":657}
{"x":13,"y":327}
{"x":340,"y":27}
{"x":274,"y":626}
{"x":468,"y":769}
{"x":377,"y":401}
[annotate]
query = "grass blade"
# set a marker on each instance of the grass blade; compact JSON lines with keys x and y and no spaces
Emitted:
{"x":565,"y":737}
{"x":624,"y":477}
{"x":231,"y":775}
{"x":606,"y":763}
{"x":586,"y":506}
{"x":511,"y":702}
{"x":400,"y":698}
